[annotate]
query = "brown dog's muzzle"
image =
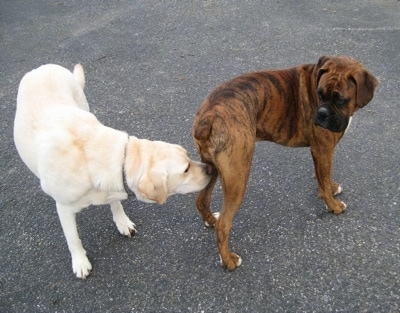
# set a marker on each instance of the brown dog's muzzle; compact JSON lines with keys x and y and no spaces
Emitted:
{"x":330,"y":119}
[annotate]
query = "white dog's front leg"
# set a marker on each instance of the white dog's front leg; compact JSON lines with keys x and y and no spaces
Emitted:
{"x":124,"y":224}
{"x":80,"y":263}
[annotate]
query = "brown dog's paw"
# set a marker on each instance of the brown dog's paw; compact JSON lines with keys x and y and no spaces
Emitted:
{"x":212,"y":219}
{"x":339,"y":207}
{"x":336,"y":189}
{"x":234,"y":260}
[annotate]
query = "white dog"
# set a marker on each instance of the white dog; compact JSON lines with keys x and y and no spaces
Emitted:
{"x":81,"y":162}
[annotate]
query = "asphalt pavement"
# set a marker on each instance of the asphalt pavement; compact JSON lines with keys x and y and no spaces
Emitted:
{"x":149,"y":65}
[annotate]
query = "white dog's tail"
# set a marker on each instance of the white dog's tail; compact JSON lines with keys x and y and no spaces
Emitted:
{"x":79,"y":95}
{"x":79,"y":75}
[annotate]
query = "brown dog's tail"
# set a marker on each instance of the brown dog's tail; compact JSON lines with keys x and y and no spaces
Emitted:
{"x":203,"y":126}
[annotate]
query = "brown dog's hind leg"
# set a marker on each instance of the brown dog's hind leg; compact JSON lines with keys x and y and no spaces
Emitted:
{"x":203,"y":201}
{"x":234,"y":171}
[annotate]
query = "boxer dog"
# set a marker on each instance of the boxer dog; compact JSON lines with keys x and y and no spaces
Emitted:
{"x":81,"y":162}
{"x":308,"y":105}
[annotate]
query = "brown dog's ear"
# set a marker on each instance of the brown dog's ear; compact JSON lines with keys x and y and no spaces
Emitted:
{"x":154,"y":186}
{"x":366,"y":83}
{"x":322,"y":60}
{"x":320,"y":66}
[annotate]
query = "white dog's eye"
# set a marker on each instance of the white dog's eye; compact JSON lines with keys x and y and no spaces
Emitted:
{"x":187,"y":169}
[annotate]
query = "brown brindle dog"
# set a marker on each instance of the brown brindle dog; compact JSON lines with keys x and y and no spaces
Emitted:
{"x":305,"y":106}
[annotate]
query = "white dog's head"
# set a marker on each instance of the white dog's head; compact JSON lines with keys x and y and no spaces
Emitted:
{"x":156,"y":170}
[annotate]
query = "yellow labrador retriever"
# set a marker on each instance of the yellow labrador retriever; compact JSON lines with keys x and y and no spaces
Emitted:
{"x":81,"y":162}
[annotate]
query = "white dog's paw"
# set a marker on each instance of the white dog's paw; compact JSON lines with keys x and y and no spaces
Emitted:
{"x":216,"y":215}
{"x":125,"y":226}
{"x":81,"y":266}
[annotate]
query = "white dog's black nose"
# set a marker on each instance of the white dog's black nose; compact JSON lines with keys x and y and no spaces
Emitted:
{"x":209,"y":169}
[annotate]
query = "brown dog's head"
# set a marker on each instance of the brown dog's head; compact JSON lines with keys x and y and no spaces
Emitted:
{"x":343,"y":86}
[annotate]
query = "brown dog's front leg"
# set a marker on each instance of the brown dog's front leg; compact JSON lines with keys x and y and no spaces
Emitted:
{"x":323,"y":158}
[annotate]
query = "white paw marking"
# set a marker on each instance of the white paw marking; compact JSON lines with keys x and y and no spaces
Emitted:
{"x":216,"y":215}
{"x":338,"y":190}
{"x":238,"y":263}
{"x":328,"y":209}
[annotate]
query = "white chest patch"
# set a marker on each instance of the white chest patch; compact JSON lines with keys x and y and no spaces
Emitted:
{"x":348,"y":125}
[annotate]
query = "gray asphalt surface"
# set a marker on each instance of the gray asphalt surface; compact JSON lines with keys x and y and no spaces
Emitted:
{"x":149,"y":65}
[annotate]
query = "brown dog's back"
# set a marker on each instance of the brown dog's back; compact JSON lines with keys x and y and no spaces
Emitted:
{"x":254,"y":101}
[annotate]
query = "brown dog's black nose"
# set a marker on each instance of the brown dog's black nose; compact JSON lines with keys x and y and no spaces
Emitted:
{"x":323,"y":114}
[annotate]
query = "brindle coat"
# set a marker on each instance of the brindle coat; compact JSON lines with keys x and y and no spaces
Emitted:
{"x":308,"y":105}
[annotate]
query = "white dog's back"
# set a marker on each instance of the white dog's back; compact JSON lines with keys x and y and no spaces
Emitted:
{"x":52,"y":84}
{"x":45,"y":89}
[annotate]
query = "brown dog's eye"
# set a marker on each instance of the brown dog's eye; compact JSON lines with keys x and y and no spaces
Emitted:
{"x":339,"y":100}
{"x":320,"y":95}
{"x":187,"y":169}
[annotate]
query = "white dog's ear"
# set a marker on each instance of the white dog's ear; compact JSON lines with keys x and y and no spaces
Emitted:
{"x":154,"y":186}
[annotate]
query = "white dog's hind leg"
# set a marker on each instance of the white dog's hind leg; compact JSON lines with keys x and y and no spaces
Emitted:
{"x":124,"y":224}
{"x":80,"y":263}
